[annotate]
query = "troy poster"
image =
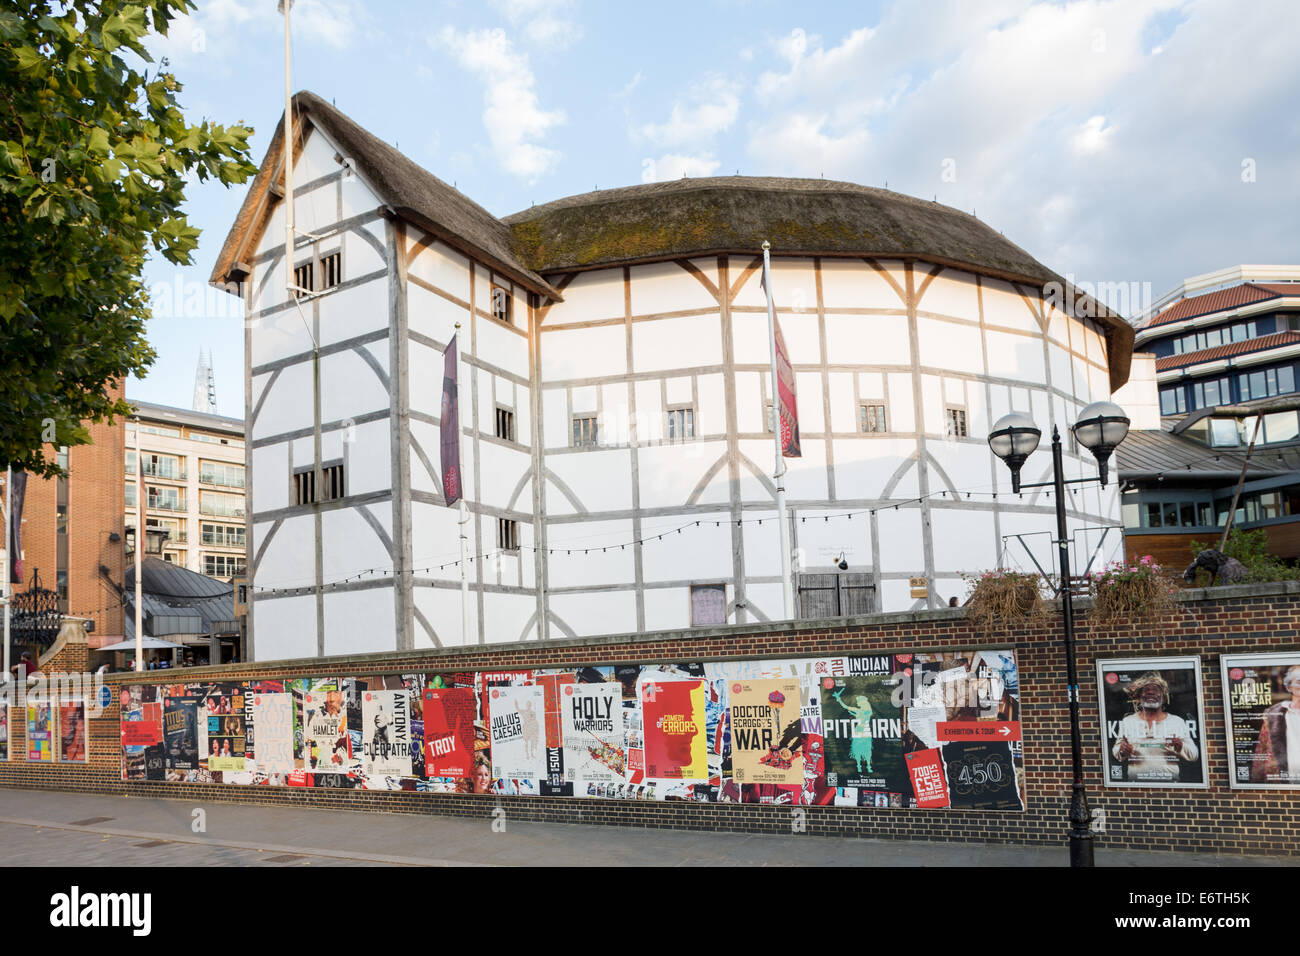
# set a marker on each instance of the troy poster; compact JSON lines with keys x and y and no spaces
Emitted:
{"x":676,"y":745}
{"x":386,"y":733}
{"x":273,"y":732}
{"x":766,"y":740}
{"x":591,"y":718}
{"x":515,"y":720}
{"x":449,"y":732}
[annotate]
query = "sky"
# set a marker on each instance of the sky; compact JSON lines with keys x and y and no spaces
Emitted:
{"x":1133,"y":142}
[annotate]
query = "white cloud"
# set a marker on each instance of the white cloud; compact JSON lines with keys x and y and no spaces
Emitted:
{"x":710,"y":108}
{"x":511,"y":114}
{"x":221,"y":28}
{"x":675,"y":166}
{"x":545,"y":23}
{"x":1093,"y":135}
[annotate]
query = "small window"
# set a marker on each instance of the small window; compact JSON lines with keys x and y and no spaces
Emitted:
{"x":505,"y":424}
{"x":332,"y":484}
{"x":681,"y":423}
{"x":584,"y":432}
{"x":302,"y":280}
{"x":330,"y":270}
{"x":507,"y":534}
{"x":956,"y":422}
{"x":62,"y":519}
{"x":871,"y":418}
{"x":500,"y":304}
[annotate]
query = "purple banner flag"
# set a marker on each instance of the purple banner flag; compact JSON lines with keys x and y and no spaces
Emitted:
{"x":450,"y":421}
{"x":15,"y":516}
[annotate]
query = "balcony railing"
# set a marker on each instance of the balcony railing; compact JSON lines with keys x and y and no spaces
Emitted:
{"x":225,"y":481}
{"x":163,"y":472}
{"x":220,"y":511}
{"x":164,"y":504}
{"x":223,"y":541}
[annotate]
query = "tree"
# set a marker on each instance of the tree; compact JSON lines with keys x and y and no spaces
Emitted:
{"x":94,"y":158}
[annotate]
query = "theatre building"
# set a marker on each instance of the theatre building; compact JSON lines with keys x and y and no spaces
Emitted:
{"x":617,"y":458}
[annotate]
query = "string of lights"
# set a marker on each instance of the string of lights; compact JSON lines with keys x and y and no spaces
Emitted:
{"x":553,"y":550}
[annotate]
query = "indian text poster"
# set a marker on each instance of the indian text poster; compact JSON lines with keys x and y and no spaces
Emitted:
{"x":676,"y":744}
{"x":326,"y":747}
{"x":766,"y":739}
{"x":386,"y":733}
{"x":862,"y":727}
{"x":592,"y":721}
{"x":180,"y":732}
{"x":449,"y":732}
{"x":74,"y":731}
{"x":226,"y":737}
{"x":1263,"y":718}
{"x":40,"y":732}
{"x":1152,"y":714}
{"x":273,"y":732}
{"x":515,"y":719}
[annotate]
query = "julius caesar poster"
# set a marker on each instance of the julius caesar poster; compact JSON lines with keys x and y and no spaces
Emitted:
{"x":1262,"y":694}
{"x":592,"y":729}
{"x":766,"y":743}
{"x":386,"y":732}
{"x":515,"y":720}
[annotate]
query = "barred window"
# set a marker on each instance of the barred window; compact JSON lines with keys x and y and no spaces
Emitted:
{"x":500,"y":304}
{"x":871,"y":418}
{"x":681,"y":423}
{"x":505,"y":424}
{"x":956,"y":422}
{"x":584,"y":432}
{"x":507,"y":534}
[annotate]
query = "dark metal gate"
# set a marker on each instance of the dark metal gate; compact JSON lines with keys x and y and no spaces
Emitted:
{"x":36,"y":618}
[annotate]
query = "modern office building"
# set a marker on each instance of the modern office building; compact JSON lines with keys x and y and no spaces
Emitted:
{"x":1219,"y":361}
{"x":194,"y":486}
{"x":615,"y":401}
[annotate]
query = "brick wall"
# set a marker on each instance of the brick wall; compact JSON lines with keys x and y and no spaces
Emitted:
{"x":1219,"y":820}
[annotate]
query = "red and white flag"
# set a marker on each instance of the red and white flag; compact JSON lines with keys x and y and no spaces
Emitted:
{"x":787,"y":407}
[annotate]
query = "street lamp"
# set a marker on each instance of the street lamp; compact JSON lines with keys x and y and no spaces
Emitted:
{"x":1101,"y":427}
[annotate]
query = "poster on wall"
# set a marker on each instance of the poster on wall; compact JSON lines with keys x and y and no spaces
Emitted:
{"x":592,"y":732}
{"x":4,"y":731}
{"x":327,"y":747}
{"x":766,"y":736}
{"x":515,"y":719}
{"x":74,"y":732}
{"x":40,"y":732}
{"x":1262,"y":714}
{"x":862,"y":727}
{"x":386,"y":733}
{"x":1153,"y":722}
{"x":141,"y":723}
{"x":673,"y":719}
{"x":226,"y":738}
{"x":180,"y":734}
{"x":449,"y":732}
{"x":272,"y":732}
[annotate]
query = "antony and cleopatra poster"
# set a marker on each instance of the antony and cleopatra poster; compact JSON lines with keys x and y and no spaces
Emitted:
{"x":888,"y":731}
{"x":1262,"y":713}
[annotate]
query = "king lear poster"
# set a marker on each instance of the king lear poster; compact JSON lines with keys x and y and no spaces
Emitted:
{"x":386,"y":732}
{"x":676,"y":744}
{"x":326,"y":743}
{"x":273,"y":732}
{"x":1263,"y":718}
{"x":449,"y":732}
{"x":592,"y":729}
{"x":766,"y":743}
{"x":515,"y":717}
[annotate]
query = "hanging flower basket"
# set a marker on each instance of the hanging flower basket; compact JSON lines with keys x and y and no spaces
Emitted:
{"x":1131,"y":592}
{"x":1000,"y":599}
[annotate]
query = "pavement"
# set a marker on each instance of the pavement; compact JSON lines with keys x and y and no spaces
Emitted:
{"x":44,"y":828}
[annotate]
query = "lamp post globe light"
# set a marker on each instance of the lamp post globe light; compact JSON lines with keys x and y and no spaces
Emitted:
{"x":1013,"y":438}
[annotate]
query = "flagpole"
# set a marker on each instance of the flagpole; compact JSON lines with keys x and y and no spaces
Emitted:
{"x":463,"y":521}
{"x":139,"y":552}
{"x":779,"y":469}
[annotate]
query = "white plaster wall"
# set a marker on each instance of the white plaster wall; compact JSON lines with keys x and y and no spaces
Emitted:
{"x":356,"y":622}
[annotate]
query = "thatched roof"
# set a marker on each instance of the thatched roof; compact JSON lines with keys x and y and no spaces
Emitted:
{"x":735,"y":214}
{"x":410,"y":190}
{"x":670,"y":220}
